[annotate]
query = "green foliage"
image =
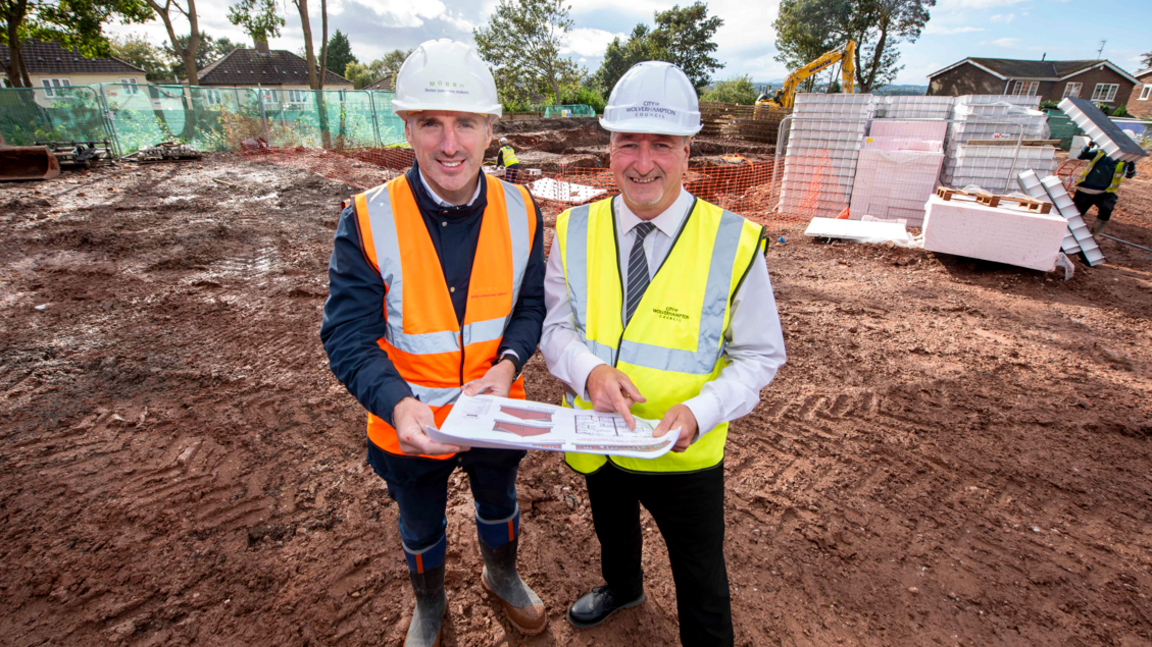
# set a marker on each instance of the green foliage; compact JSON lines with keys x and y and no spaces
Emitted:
{"x":805,"y":29}
{"x":385,"y":67}
{"x":522,"y":44}
{"x":76,"y":24}
{"x":1049,"y":105}
{"x":1121,"y":111}
{"x":137,"y":50}
{"x":735,"y":90}
{"x":682,"y":36}
{"x":339,"y":53}
{"x":259,"y":18}
{"x":581,"y":95}
{"x":358,"y":73}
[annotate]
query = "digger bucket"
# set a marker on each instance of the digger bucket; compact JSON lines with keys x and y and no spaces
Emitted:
{"x":27,"y":163}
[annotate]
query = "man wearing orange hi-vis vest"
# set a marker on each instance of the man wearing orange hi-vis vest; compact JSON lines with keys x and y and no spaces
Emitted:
{"x":436,"y":289}
{"x":660,"y":306}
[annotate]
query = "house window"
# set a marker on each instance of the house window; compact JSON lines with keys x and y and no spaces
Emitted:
{"x":129,"y":85}
{"x":1072,"y":89}
{"x":269,"y":96}
{"x":1145,"y":92}
{"x":1026,"y":88}
{"x":212,"y":98}
{"x":297,"y":96}
{"x":51,"y":86}
{"x":1105,"y":92}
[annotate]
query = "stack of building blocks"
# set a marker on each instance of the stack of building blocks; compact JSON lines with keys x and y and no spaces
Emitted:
{"x":1067,"y":208}
{"x":913,"y":107}
{"x":1103,"y":131}
{"x":897,"y":170}
{"x":1001,"y":234}
{"x":995,"y":117}
{"x":1032,"y":187}
{"x":824,"y":143}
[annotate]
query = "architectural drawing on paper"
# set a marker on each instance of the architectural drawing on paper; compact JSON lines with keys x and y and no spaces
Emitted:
{"x":601,"y":426}
{"x":527,"y":414}
{"x":524,"y":431}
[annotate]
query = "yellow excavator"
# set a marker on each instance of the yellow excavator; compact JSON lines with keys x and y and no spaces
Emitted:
{"x":787,"y":94}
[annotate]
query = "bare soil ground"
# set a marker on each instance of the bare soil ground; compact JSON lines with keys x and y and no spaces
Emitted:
{"x":957,"y":453}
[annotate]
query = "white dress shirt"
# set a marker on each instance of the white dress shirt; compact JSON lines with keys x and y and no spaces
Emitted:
{"x":755,"y":343}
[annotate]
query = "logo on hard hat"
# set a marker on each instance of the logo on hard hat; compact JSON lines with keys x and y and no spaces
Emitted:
{"x":650,"y":109}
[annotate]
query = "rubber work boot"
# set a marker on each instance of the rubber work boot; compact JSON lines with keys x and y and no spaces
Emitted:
{"x":1098,"y":226}
{"x":521,"y":604}
{"x":428,"y":616}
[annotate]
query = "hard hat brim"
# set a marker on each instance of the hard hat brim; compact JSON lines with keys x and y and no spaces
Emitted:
{"x":402,"y":108}
{"x":648,"y":127}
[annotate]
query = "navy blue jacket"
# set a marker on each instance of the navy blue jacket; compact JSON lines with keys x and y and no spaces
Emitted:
{"x":1100,"y":175}
{"x":354,"y":311}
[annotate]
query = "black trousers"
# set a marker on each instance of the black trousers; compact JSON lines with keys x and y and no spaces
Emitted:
{"x":689,"y":510}
{"x":1104,"y":202}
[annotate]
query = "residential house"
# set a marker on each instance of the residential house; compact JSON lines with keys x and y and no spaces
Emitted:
{"x":51,"y":67}
{"x":1100,"y":81}
{"x":383,"y":83}
{"x":1140,"y":101}
{"x":281,"y":76}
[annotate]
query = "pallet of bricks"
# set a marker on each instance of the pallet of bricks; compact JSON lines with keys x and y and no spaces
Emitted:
{"x":900,"y":159}
{"x":824,"y":141}
{"x":981,"y":145}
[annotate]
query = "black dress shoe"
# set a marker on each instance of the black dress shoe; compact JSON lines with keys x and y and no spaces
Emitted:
{"x":595,"y":606}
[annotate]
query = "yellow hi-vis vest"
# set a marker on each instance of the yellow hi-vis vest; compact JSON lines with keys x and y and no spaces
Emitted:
{"x":509,"y":156}
{"x":1117,"y":175}
{"x":674,"y":343}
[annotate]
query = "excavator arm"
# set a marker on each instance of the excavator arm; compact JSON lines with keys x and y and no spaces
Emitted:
{"x":787,"y":94}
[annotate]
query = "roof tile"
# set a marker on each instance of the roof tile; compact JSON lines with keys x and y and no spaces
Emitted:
{"x":249,"y":67}
{"x":51,"y":58}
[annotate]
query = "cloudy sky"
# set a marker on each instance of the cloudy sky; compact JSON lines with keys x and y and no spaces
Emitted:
{"x":1027,"y":29}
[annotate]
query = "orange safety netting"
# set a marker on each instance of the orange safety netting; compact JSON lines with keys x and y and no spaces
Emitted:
{"x":749,"y":188}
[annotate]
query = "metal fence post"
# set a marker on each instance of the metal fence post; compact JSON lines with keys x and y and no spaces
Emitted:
{"x":111,"y":121}
{"x":375,"y":126}
{"x":263,"y":116}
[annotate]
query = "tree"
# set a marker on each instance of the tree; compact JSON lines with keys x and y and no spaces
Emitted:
{"x":359,"y":74}
{"x":735,"y":90}
{"x":339,"y":53}
{"x":684,"y":36}
{"x":136,"y":50}
{"x":76,"y":25}
{"x":522,"y":44}
{"x":1146,"y":60}
{"x":210,"y":50}
{"x":258,"y":18}
{"x":385,"y":67}
{"x":186,"y":52}
{"x":877,"y":26}
{"x":619,"y":57}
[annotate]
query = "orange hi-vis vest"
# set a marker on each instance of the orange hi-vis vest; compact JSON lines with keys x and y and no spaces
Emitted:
{"x":433,"y":352}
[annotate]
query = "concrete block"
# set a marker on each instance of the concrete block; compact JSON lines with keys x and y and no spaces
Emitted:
{"x":999,"y":234}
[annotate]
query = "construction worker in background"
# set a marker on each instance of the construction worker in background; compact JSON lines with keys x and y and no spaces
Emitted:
{"x":507,"y":158}
{"x":660,"y":306}
{"x":436,"y":288}
{"x":1098,"y":183}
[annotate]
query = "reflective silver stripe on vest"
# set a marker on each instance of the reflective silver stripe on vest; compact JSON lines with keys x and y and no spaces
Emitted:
{"x":521,"y":242}
{"x":576,"y":265}
{"x":434,"y":397}
{"x":710,"y":346}
{"x":387,"y":245}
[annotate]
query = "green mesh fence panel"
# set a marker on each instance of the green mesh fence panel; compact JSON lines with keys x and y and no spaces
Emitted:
{"x":29,"y":115}
{"x":574,"y":110}
{"x":211,"y":119}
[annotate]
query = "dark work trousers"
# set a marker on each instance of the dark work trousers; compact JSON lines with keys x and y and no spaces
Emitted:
{"x":512,"y":173}
{"x":1104,"y":202}
{"x":689,"y":510}
{"x":420,"y":488}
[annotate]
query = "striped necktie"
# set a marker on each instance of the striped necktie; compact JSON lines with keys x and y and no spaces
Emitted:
{"x":638,"y":278}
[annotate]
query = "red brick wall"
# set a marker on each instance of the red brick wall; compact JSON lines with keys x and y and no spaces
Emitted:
{"x":1089,"y":80}
{"x":965,"y":79}
{"x":1137,"y":107}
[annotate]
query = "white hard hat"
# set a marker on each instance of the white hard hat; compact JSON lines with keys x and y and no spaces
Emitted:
{"x":653,"y":97}
{"x":503,"y":140}
{"x":445,"y":75}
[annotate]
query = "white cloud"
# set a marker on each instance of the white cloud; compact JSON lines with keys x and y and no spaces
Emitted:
{"x":968,"y":5}
{"x":1004,"y":18}
{"x":1009,"y":43}
{"x":946,"y":31}
{"x":583,"y":41}
{"x":404,"y":13}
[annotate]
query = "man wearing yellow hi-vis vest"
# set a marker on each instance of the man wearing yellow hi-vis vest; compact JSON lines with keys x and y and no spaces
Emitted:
{"x":1097,"y":185}
{"x":660,"y":306}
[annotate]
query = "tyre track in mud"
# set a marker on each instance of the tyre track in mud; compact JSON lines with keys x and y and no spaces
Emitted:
{"x":954,"y":454}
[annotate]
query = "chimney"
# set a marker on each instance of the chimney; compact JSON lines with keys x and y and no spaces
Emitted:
{"x":1044,"y":56}
{"x":261,"y":45}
